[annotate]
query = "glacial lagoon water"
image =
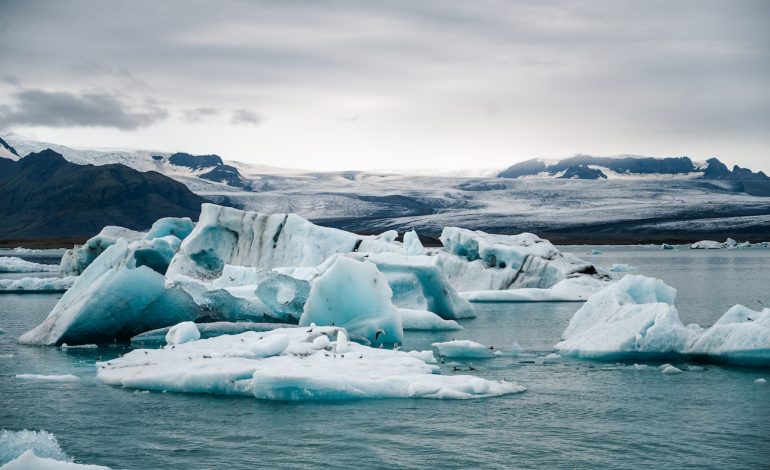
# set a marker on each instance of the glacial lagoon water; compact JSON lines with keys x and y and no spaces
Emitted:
{"x":575,"y":414}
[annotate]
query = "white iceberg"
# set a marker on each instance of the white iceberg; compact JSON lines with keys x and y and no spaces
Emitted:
{"x":291,"y":364}
{"x":637,"y":317}
{"x":412,"y":244}
{"x":12,"y":264}
{"x":36,"y":284}
{"x":668,"y":369}
{"x":354,"y":295}
{"x":209,"y":330}
{"x":224,"y":235}
{"x":29,"y":461}
{"x":621,"y":268}
{"x":465,"y":349}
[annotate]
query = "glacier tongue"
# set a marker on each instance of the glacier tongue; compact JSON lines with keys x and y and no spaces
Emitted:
{"x":292,"y":364}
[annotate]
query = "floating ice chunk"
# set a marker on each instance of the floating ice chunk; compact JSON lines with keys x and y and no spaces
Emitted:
{"x":668,"y":369}
{"x":474,"y":260}
{"x":113,"y":298}
{"x":12,"y":264}
{"x":412,"y":244}
{"x":552,"y":357}
{"x":572,"y":289}
{"x":740,"y":336}
{"x":641,"y":366}
{"x":425,"y":356}
{"x":465,"y":349}
{"x":634,"y":316}
{"x":356,"y":296}
{"x":183,"y":333}
{"x":79,"y":346}
{"x":595,"y":252}
{"x":29,"y":461}
{"x":224,"y":365}
{"x":225,"y":235}
{"x":49,"y":378}
{"x":36,"y":284}
{"x":760,"y":381}
{"x":667,"y":246}
{"x":425,"y":320}
{"x":707,"y":245}
{"x":621,"y":268}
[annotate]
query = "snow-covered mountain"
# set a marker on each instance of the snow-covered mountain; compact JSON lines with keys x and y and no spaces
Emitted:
{"x":642,"y":199}
{"x":628,"y":167}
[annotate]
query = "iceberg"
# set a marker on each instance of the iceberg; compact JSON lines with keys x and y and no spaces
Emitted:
{"x":76,"y":260}
{"x":29,"y":461}
{"x":354,"y":295}
{"x":714,"y":245}
{"x":636,"y":317}
{"x":621,"y":268}
{"x":475,"y":261}
{"x":292,"y":364}
{"x":412,"y":244}
{"x":12,"y":264}
{"x":36,"y":284}
{"x":113,"y":298}
{"x":465,"y":349}
{"x":49,"y":378}
{"x":225,"y":235}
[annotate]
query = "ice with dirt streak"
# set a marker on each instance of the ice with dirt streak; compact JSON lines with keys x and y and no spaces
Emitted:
{"x":13,"y":264}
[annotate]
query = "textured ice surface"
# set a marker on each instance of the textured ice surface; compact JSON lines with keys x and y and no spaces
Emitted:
{"x":292,"y":364}
{"x":209,"y":330}
{"x":12,"y":264}
{"x":225,"y":235}
{"x":637,"y":316}
{"x":356,"y":296}
{"x":37,"y":284}
{"x":412,"y":244}
{"x":465,"y":349}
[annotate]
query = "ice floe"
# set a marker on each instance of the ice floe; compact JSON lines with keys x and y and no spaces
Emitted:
{"x":573,"y":289}
{"x":424,"y":320}
{"x":37,"y":284}
{"x":637,"y":317}
{"x":621,"y":268}
{"x":12,"y":264}
{"x":49,"y":378}
{"x":292,"y":364}
{"x":465,"y":349}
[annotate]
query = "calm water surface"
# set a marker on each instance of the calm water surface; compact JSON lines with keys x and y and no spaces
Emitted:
{"x":575,"y":414}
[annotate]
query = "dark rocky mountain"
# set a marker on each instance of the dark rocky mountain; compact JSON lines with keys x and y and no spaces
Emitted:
{"x":8,"y":147}
{"x":44,"y":196}
{"x":583,"y":172}
{"x":717,"y":170}
{"x":219,"y":173}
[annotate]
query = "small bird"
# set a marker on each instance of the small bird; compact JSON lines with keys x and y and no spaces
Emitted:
{"x":470,"y":367}
{"x":378,"y":333}
{"x":455,"y":368}
{"x":231,"y":278}
{"x":361,"y":356}
{"x":491,"y":347}
{"x":173,"y":346}
{"x":309,"y":331}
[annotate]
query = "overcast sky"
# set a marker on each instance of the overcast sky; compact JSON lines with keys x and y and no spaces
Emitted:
{"x":392,"y":84}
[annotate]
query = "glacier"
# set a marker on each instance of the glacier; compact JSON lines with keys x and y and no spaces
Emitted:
{"x":292,"y":364}
{"x":13,"y":264}
{"x":636,"y":318}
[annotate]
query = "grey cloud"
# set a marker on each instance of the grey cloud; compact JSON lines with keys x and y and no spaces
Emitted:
{"x":200,"y":114}
{"x":36,"y":107}
{"x":245,"y":116}
{"x":10,"y":80}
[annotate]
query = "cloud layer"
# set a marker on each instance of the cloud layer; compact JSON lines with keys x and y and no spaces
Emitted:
{"x":430,"y":83}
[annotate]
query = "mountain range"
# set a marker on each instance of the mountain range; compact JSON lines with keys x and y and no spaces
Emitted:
{"x":622,"y":199}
